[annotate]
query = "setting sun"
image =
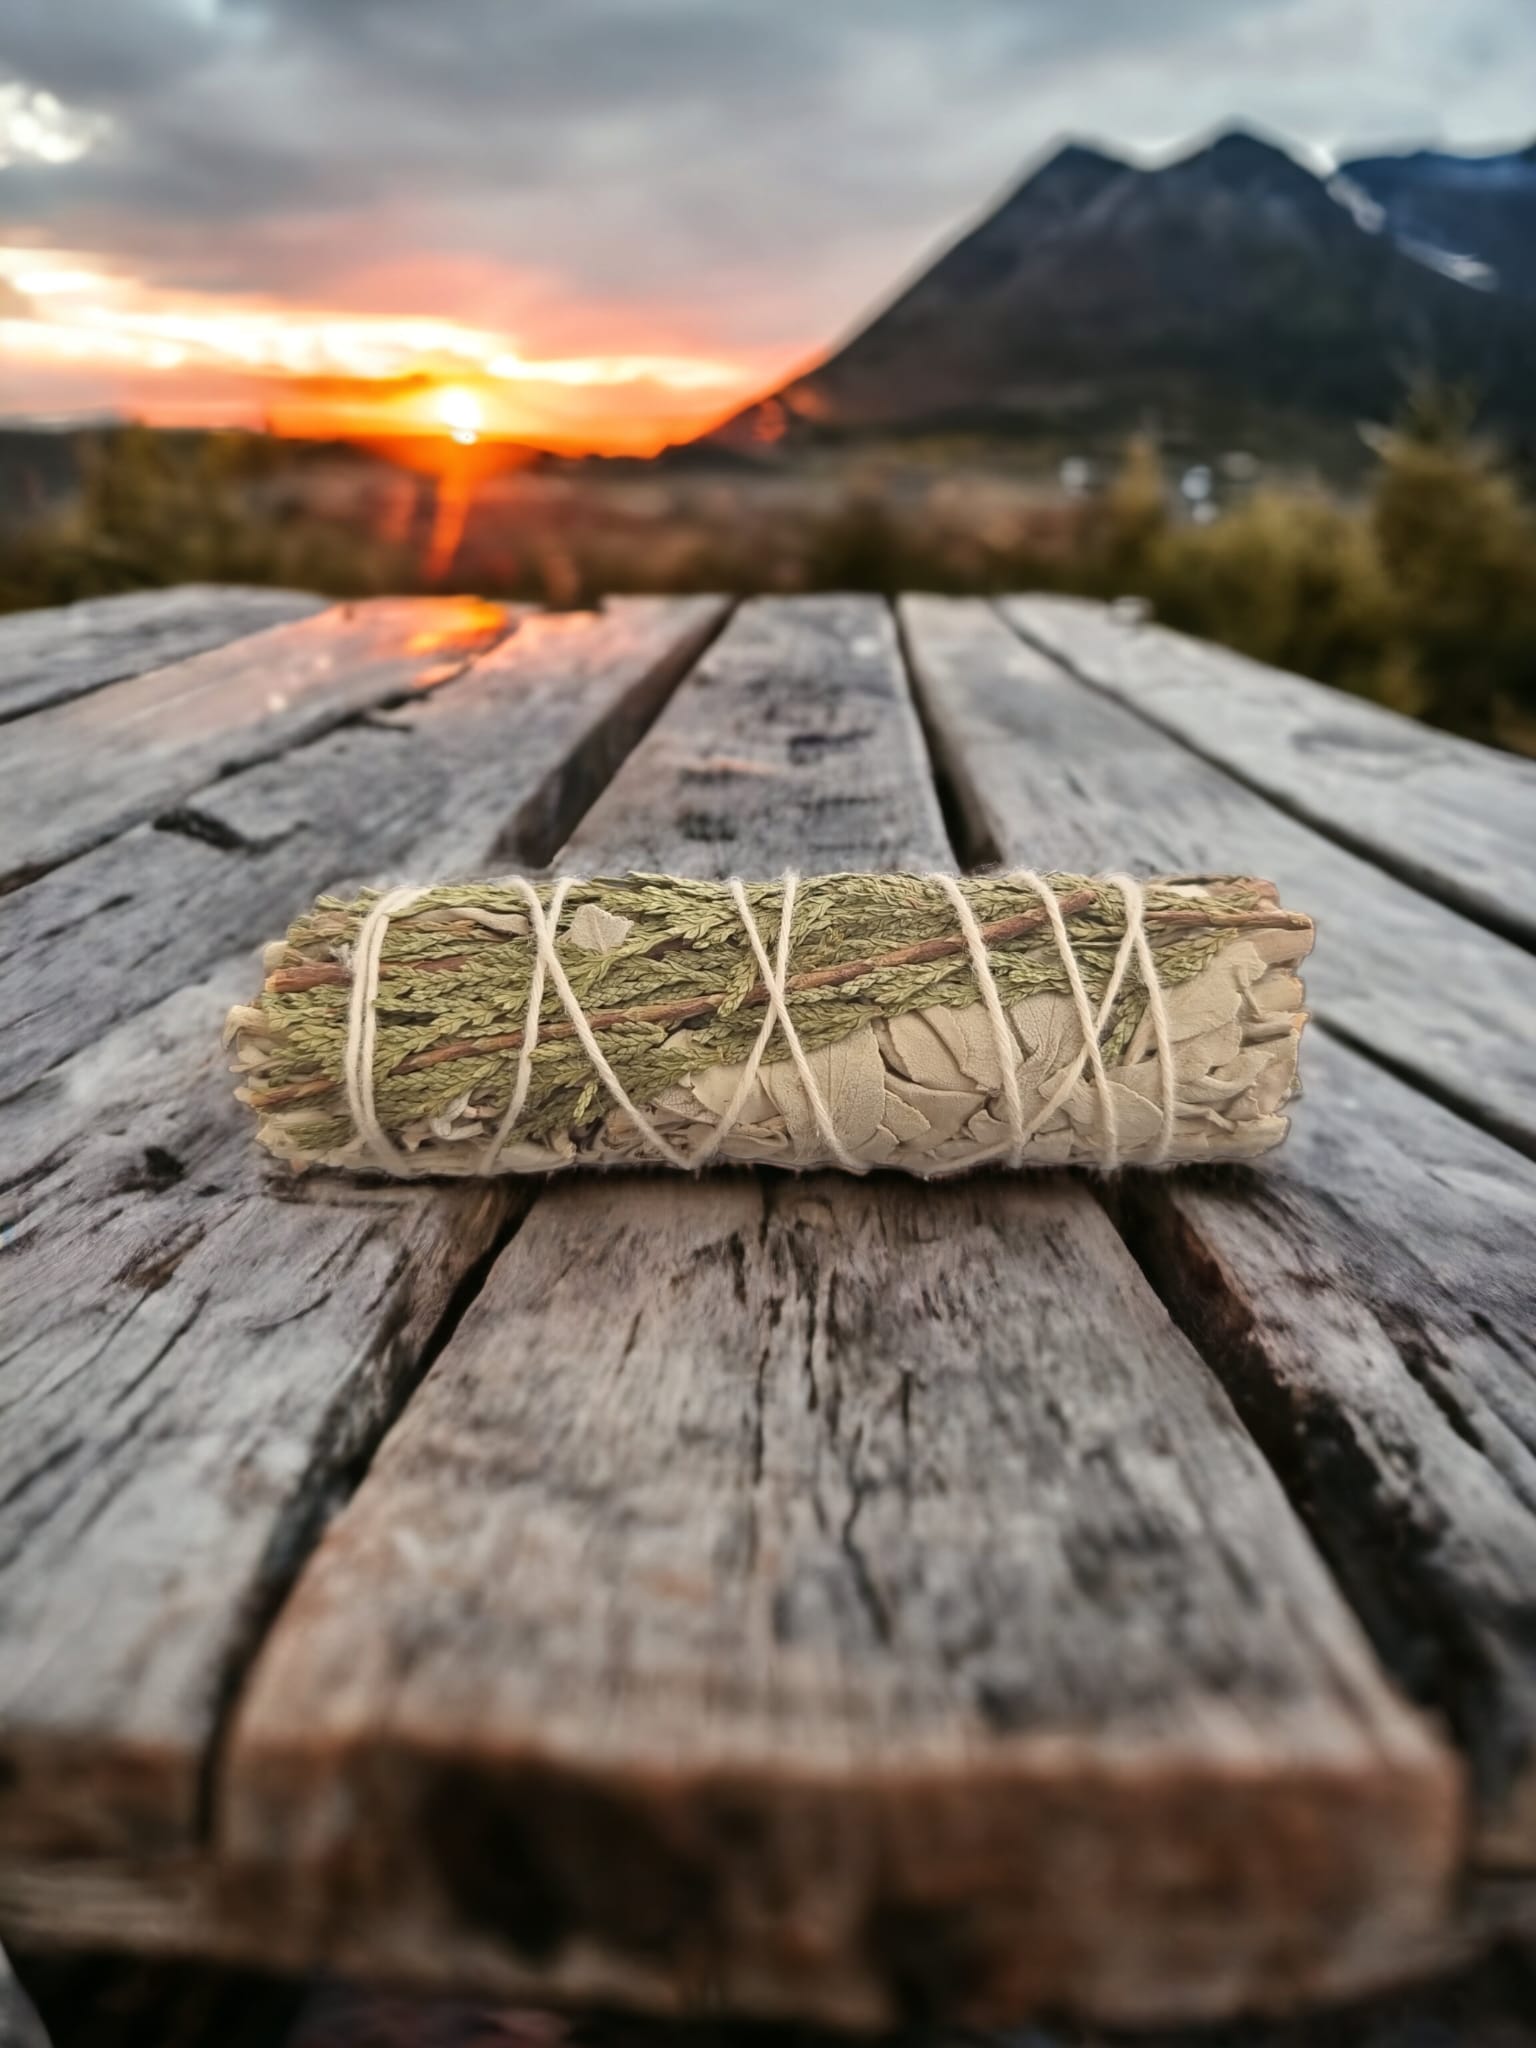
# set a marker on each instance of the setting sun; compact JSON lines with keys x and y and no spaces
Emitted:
{"x":80,"y":334}
{"x":461,"y":413}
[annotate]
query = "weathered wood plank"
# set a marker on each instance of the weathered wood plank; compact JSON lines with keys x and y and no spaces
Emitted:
{"x":493,"y":769}
{"x":793,"y":744}
{"x":192,"y":1349}
{"x":1456,"y":819}
{"x":1047,"y":770}
{"x":825,"y":1597}
{"x":74,"y":775}
{"x":49,"y":656}
{"x":1370,"y":1304}
{"x":1369,"y":1296}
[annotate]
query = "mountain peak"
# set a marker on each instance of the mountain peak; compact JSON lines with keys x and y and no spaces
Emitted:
{"x":1238,"y":143}
{"x":1242,"y":160}
{"x":1069,"y":178}
{"x":1072,"y":159}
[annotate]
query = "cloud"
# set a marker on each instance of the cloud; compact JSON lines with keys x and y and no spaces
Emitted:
{"x":36,"y":128}
{"x":720,"y":173}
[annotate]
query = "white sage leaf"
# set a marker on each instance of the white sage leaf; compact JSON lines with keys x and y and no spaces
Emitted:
{"x":595,"y":930}
{"x":850,"y":1078}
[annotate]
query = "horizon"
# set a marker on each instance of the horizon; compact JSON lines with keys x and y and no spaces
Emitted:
{"x":627,"y":246}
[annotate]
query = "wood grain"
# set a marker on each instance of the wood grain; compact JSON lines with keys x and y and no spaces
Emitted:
{"x":826,"y":1598}
{"x":49,"y":656}
{"x":1046,"y":771}
{"x":1369,"y":1296}
{"x":75,"y":774}
{"x":1456,"y":819}
{"x":194,"y":1350}
{"x":491,"y":770}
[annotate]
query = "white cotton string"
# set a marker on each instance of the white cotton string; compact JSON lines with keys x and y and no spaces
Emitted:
{"x":363,"y":1029}
{"x":754,"y":1061}
{"x":774,"y":976}
{"x":1135,"y":900}
{"x":544,"y":942}
{"x":1091,"y":1026}
{"x":1002,"y":1032}
{"x":530,"y":1026}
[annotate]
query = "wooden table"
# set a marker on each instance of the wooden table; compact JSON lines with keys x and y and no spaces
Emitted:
{"x":851,"y":1600}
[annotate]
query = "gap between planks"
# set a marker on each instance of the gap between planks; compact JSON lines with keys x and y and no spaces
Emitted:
{"x":1434,"y":996}
{"x":1448,"y":816}
{"x":342,"y":1481}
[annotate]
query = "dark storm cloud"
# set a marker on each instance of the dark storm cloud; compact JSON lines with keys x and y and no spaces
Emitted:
{"x":233,"y":109}
{"x":778,"y":157}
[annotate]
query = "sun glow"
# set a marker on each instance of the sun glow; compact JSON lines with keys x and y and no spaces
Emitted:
{"x":79,"y":327}
{"x":461,"y":413}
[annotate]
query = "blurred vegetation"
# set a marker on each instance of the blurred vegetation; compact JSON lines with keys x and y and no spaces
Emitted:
{"x":1423,"y":596}
{"x":1421,"y":593}
{"x":158,"y":508}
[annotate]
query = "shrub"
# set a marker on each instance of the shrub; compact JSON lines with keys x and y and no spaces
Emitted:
{"x":157,"y":508}
{"x":1289,"y":578}
{"x":1458,"y":546}
{"x":1424,"y":598}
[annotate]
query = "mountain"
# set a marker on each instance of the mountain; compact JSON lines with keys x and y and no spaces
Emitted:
{"x":1475,"y":213}
{"x":1228,"y":296}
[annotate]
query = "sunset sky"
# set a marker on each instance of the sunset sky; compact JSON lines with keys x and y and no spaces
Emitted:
{"x":598,"y":223}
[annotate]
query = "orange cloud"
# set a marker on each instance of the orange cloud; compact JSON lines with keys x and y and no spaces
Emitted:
{"x":176,"y":357}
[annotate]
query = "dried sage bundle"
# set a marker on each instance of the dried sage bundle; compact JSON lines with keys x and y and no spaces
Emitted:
{"x":917,"y":1022}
